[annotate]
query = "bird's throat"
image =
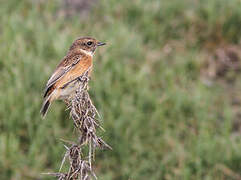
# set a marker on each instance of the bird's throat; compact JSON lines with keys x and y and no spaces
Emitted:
{"x":89,"y":53}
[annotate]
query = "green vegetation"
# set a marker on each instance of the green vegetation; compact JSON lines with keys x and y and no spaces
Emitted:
{"x":161,"y":118}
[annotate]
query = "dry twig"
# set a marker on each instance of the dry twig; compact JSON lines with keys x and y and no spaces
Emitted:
{"x":83,"y":113}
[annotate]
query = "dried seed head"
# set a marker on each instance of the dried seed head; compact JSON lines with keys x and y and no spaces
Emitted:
{"x":83,"y":113}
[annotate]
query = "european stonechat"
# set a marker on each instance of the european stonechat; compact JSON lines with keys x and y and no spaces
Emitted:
{"x":78,"y":61}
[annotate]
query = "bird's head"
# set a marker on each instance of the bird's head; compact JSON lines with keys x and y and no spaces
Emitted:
{"x":87,"y":44}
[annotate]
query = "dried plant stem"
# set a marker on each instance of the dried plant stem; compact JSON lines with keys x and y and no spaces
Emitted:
{"x":83,"y":113}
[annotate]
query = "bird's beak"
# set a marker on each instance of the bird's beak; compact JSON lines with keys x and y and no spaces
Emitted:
{"x":101,"y":44}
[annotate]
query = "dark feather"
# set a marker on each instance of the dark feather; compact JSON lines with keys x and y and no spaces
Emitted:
{"x":45,"y":108}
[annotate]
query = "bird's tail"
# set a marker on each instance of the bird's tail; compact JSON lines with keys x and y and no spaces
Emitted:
{"x":45,"y":106}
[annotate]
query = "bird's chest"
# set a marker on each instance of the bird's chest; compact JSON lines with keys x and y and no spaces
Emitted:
{"x":70,"y":83}
{"x":78,"y":70}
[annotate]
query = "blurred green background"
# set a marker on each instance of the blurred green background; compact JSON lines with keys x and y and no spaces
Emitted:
{"x":167,"y":86}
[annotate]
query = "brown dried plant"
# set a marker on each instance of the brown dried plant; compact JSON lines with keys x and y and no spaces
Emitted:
{"x":83,"y":114}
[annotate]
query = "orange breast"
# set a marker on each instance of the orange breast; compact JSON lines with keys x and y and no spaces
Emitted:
{"x":81,"y":67}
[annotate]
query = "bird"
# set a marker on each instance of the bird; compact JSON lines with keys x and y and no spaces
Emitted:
{"x":77,"y":62}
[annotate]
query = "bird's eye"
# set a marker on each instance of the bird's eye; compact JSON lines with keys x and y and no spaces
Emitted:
{"x":89,"y":43}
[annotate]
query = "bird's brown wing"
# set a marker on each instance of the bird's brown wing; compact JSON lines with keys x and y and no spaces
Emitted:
{"x":65,"y":66}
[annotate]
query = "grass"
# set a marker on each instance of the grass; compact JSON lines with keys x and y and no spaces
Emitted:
{"x":161,"y":119}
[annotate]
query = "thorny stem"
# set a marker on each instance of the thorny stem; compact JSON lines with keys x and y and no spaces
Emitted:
{"x":83,"y":113}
